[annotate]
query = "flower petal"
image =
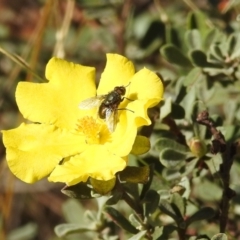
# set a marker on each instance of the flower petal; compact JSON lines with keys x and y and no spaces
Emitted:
{"x":146,"y":85}
{"x":117,"y":72}
{"x":146,"y":90}
{"x":123,"y":137}
{"x":57,"y":102}
{"x":33,"y":150}
{"x":96,"y":162}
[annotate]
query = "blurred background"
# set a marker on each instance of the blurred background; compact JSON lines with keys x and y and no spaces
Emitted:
{"x":82,"y":31}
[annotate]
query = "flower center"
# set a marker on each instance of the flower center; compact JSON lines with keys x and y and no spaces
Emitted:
{"x":94,"y":132}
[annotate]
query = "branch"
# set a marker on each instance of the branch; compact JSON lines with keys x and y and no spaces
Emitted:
{"x":228,"y":151}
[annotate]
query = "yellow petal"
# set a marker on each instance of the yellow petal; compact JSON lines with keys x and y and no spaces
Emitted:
{"x":124,"y":135}
{"x":57,"y":102}
{"x":146,"y":85}
{"x":146,"y":90}
{"x":96,"y":162}
{"x":117,"y":72}
{"x":140,"y":115}
{"x":33,"y":150}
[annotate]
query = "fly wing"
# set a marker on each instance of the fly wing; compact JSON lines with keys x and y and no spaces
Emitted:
{"x":111,"y":119}
{"x":91,"y":102}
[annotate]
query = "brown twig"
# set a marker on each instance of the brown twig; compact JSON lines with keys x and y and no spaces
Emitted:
{"x":228,"y":151}
{"x":218,"y":142}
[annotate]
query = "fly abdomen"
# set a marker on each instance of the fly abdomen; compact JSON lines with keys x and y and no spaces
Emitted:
{"x":102,"y":111}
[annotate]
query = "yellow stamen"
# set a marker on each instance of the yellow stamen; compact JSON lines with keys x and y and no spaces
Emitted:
{"x":90,"y":129}
{"x":94,"y":132}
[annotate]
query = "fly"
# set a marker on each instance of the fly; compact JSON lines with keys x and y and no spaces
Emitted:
{"x":107,"y":105}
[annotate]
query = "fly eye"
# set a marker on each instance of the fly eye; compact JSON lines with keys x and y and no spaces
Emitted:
{"x":123,"y":89}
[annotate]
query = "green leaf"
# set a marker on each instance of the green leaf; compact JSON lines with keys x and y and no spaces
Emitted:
{"x":236,"y":50}
{"x":135,"y":174}
{"x":181,"y":94}
{"x":173,"y":109}
{"x":92,"y":3}
{"x":151,"y":201}
{"x":220,"y":236}
{"x":69,"y":228}
{"x":116,"y":196}
{"x":171,"y":158}
{"x":25,"y":232}
{"x":212,"y":36}
{"x":199,"y":58}
{"x":214,"y":164}
{"x":216,"y":51}
{"x":131,"y":189}
{"x":178,"y":111}
{"x":171,"y":210}
{"x":198,"y":20}
{"x":120,"y":220}
{"x":200,"y":237}
{"x":231,"y":43}
{"x":166,"y":108}
{"x":102,"y":187}
{"x":207,"y":191}
{"x":147,"y":185}
{"x":72,"y":209}
{"x":175,"y":56}
{"x":189,"y":102}
{"x":193,"y":39}
{"x":166,"y":231}
{"x":189,"y":166}
{"x":138,"y":236}
{"x":193,"y":76}
{"x":141,"y":145}
{"x":158,"y":231}
{"x":80,"y":190}
{"x":172,"y":36}
{"x":178,"y":201}
{"x":163,"y":143}
{"x":166,"y":208}
{"x":203,"y":214}
{"x":135,"y":220}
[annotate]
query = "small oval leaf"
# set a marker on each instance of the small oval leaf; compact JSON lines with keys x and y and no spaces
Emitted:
{"x":116,"y":196}
{"x":135,"y":174}
{"x":171,"y":158}
{"x":80,"y":190}
{"x":231,"y":43}
{"x":192,"y":76}
{"x":178,"y":111}
{"x":141,"y":145}
{"x":202,"y":214}
{"x":199,"y":58}
{"x":193,"y":39}
{"x":135,"y":220}
{"x":180,"y":204}
{"x":166,"y":208}
{"x":120,"y":220}
{"x":138,"y":236}
{"x":175,"y":56}
{"x":69,"y":228}
{"x":163,"y":143}
{"x":166,"y":108}
{"x":151,"y":202}
{"x":220,"y":236}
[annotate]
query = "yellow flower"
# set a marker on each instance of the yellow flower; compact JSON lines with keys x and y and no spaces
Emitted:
{"x":69,"y":144}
